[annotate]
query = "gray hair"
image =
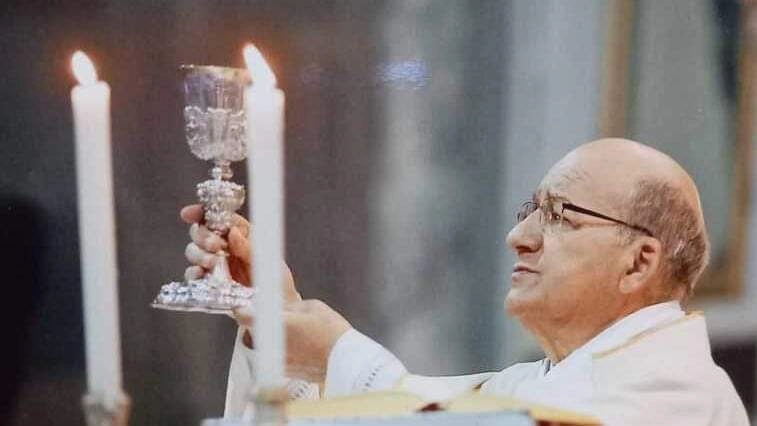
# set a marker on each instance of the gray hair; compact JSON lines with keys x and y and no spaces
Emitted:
{"x":663,"y":210}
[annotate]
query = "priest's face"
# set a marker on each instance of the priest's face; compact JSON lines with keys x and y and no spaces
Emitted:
{"x":567,"y":268}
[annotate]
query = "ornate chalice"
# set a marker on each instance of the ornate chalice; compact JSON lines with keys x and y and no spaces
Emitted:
{"x":215,"y":131}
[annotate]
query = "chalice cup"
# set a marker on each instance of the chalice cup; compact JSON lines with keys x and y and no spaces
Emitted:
{"x":215,"y":131}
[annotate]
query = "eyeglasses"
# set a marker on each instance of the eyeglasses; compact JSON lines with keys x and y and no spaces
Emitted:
{"x":552,"y":210}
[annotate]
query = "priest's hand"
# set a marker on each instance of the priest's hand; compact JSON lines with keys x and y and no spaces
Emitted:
{"x":312,"y":329}
{"x":202,"y":251}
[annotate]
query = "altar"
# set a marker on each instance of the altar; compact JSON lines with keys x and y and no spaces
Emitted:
{"x":436,"y":418}
{"x":393,"y":408}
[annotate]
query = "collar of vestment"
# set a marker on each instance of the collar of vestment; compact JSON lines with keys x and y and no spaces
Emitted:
{"x":625,"y":331}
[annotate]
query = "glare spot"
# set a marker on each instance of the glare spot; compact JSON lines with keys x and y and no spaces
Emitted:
{"x":410,"y":73}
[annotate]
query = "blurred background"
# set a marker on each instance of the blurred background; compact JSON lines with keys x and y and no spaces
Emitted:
{"x":414,"y":130}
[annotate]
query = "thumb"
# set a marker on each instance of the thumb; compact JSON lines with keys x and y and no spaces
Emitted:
{"x":239,"y":245}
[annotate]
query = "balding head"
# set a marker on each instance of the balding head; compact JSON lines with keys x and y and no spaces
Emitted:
{"x":646,"y":187}
{"x":623,"y":163}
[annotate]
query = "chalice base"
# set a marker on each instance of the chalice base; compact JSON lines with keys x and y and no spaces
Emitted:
{"x":216,"y":293}
{"x":201,"y":296}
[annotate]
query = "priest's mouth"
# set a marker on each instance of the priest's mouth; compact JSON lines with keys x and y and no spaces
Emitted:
{"x":520,"y":270}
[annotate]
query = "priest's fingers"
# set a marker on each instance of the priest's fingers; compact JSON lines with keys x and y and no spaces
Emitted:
{"x":194,"y":273}
{"x":241,"y":223}
{"x":239,"y":245}
{"x":206,"y":239}
{"x":197,"y":256}
{"x":192,"y":213}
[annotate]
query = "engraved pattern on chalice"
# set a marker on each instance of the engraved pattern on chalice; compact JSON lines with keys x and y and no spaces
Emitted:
{"x":215,"y":131}
{"x":215,"y":124}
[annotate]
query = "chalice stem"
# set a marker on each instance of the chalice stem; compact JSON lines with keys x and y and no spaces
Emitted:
{"x":220,"y":276}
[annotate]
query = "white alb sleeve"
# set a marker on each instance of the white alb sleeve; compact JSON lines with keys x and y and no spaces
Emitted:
{"x":358,"y":364}
{"x":241,"y":382}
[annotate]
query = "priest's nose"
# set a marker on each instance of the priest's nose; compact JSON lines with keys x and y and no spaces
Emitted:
{"x":526,"y":236}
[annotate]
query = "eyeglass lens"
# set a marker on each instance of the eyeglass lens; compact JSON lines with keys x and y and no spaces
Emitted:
{"x":551,"y":211}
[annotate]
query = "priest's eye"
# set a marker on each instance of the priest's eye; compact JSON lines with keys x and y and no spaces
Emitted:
{"x":555,"y":217}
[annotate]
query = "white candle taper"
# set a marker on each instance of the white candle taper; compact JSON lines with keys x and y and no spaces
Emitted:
{"x":90,"y":101}
{"x":264,"y":106}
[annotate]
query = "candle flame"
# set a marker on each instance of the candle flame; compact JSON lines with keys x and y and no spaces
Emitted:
{"x":84,"y":69}
{"x":259,"y":69}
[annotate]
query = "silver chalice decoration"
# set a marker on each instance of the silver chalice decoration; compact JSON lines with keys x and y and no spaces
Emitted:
{"x":215,"y":131}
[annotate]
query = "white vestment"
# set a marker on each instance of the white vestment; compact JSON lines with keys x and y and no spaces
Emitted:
{"x":652,"y":367}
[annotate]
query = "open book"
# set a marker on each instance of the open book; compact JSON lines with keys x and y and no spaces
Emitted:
{"x":393,"y":403}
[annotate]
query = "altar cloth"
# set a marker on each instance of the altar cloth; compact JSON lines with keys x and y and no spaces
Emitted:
{"x":509,"y":418}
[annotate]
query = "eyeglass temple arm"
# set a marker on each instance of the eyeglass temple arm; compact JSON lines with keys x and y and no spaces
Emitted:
{"x":582,"y":210}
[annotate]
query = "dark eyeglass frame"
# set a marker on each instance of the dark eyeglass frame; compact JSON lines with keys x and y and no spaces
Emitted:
{"x":531,"y":206}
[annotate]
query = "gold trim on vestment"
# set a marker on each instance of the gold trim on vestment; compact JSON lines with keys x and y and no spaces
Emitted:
{"x":633,"y":340}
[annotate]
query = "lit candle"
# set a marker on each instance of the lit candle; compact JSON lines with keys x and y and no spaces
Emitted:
{"x":90,"y":101}
{"x":264,"y":106}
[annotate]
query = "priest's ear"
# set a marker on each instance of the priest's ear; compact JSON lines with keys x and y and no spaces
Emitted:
{"x":642,"y":261}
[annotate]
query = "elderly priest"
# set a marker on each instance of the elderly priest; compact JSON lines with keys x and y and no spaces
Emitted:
{"x":608,"y":249}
